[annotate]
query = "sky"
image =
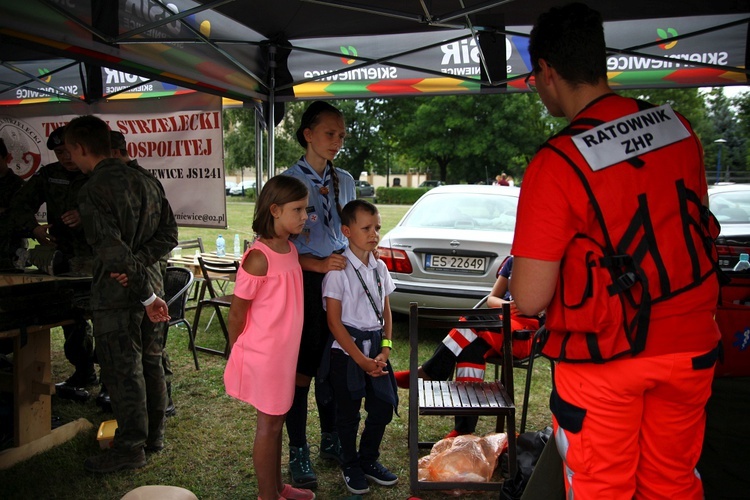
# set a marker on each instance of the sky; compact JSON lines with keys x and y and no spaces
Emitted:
{"x":734,"y":90}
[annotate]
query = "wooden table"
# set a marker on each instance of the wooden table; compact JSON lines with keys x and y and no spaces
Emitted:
{"x":31,"y":380}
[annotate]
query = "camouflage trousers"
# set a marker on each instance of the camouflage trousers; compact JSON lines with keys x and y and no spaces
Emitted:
{"x":130,"y":357}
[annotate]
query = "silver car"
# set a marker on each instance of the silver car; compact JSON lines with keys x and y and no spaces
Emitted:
{"x":731,"y":205}
{"x":364,"y":189}
{"x":448,"y":248}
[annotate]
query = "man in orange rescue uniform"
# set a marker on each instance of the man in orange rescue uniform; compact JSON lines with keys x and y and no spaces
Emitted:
{"x":614,"y":239}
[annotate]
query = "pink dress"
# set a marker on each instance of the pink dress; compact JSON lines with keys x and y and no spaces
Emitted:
{"x":263,"y":362}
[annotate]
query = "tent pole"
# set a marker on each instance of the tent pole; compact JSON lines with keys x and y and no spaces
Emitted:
{"x":259,"y":124}
{"x":271,"y":133}
{"x":271,"y":118}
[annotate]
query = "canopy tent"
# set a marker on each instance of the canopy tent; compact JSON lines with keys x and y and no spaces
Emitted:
{"x":273,"y":51}
{"x":289,"y":49}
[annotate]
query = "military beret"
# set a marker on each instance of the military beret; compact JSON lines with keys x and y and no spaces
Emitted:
{"x":56,"y":138}
{"x":117,"y":140}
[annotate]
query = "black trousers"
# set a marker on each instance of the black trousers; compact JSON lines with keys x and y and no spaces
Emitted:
{"x":379,"y":414}
{"x":79,"y":343}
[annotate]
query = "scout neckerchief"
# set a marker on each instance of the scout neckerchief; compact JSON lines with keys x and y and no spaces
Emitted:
{"x":369,"y":295}
{"x":322,"y":185}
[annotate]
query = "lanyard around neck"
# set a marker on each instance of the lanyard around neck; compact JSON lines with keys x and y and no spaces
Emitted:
{"x":369,"y":295}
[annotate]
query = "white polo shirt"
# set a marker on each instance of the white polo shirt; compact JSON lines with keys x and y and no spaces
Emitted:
{"x":345,"y":286}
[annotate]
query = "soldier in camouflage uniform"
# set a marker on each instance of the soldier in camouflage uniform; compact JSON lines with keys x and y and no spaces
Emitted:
{"x":126,"y":224}
{"x":58,"y":185}
{"x":120,"y":151}
{"x":10,"y":183}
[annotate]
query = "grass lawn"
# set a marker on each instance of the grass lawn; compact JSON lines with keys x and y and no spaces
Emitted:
{"x":209,"y":441}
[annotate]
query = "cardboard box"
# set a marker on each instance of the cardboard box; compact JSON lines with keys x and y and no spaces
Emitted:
{"x":106,"y":434}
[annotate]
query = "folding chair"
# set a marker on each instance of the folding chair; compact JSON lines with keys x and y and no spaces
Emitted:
{"x":526,"y":364}
{"x":177,"y":282}
{"x":211,"y":272}
{"x":194,"y":244}
{"x":433,"y":397}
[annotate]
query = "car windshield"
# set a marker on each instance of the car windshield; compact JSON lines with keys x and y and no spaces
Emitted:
{"x":731,"y":206}
{"x":484,"y":212}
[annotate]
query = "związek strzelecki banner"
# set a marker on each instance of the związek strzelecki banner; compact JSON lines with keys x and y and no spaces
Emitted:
{"x":179,"y":139}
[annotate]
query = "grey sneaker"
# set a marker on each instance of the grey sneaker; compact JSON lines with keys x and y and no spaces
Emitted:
{"x":330,"y":446}
{"x":377,"y":472}
{"x":301,"y":469}
{"x":112,"y":461}
{"x":21,"y":258}
{"x":355,"y":480}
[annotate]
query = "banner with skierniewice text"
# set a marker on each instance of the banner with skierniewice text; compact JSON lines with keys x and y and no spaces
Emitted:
{"x":178,"y":139}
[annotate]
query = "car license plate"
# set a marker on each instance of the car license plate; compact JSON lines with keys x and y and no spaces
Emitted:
{"x":454,"y":263}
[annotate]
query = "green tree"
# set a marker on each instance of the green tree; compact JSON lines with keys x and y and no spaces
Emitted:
{"x":287,"y":148}
{"x":741,"y":103}
{"x":239,"y":139}
{"x":725,"y":127}
{"x":466,"y":137}
{"x":688,"y":102}
{"x":363,"y":149}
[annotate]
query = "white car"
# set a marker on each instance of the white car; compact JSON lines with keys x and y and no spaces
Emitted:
{"x":448,"y":248}
{"x":237,"y":189}
{"x":730,"y":203}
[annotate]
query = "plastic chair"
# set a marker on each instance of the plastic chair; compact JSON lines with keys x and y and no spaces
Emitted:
{"x":177,"y":282}
{"x":213,"y":271}
{"x":434,"y":397}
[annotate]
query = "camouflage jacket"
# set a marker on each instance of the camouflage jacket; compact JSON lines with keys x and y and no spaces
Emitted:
{"x":59,"y":188}
{"x":126,"y":225}
{"x":147,"y":259}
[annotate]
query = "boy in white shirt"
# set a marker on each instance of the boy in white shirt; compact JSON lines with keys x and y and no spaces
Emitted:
{"x":359,"y":316}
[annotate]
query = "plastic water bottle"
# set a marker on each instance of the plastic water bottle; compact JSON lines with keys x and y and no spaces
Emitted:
{"x":237,"y":245}
{"x":743,"y":264}
{"x":221,"y":246}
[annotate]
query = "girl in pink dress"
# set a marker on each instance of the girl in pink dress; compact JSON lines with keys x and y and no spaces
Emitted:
{"x":265,"y":325}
